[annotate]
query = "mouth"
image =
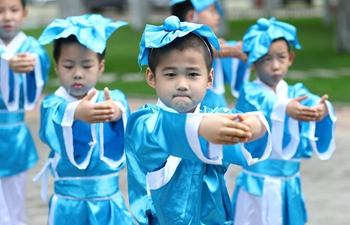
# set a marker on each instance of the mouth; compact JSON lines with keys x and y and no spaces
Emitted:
{"x":7,"y":27}
{"x":77,"y":86}
{"x":181,"y":96}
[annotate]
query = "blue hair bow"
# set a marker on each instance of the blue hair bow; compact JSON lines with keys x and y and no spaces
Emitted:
{"x":158,"y":36}
{"x":258,"y":38}
{"x":200,"y":5}
{"x":91,"y":30}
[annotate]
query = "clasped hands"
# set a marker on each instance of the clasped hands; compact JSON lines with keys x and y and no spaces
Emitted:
{"x":100,"y":112}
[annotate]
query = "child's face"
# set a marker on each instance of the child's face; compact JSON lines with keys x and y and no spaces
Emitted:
{"x":209,"y":17}
{"x":78,"y":69}
{"x":12,"y":15}
{"x":273,"y":67}
{"x":181,"y":79}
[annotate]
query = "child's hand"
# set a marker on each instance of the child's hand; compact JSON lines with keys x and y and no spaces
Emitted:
{"x":93,"y":113}
{"x":230,"y":51}
{"x":257,"y":128}
{"x":109,"y":102}
{"x":22,"y":63}
{"x":321,"y":108}
{"x":299,"y":112}
{"x":223,"y":129}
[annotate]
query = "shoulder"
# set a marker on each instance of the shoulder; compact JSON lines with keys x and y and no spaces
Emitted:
{"x":52,"y":100}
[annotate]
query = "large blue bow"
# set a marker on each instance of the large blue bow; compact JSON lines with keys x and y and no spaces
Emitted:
{"x":200,"y":5}
{"x":91,"y":30}
{"x":258,"y":38}
{"x":158,"y":36}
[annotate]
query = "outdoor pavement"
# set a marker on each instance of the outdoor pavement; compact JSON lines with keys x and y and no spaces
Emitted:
{"x":326,"y":184}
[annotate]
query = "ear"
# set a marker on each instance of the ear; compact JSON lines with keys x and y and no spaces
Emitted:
{"x":150,"y":78}
{"x":56,"y":69}
{"x":190,"y":16}
{"x":291,"y":58}
{"x":102,"y":67}
{"x":210,"y":78}
{"x":25,"y":13}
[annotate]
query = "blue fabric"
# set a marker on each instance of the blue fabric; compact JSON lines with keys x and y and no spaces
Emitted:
{"x":200,"y":5}
{"x":172,"y":28}
{"x":91,"y":30}
{"x":91,"y":195}
{"x":196,"y":193}
{"x":17,"y":148}
{"x":254,"y":97}
{"x":258,"y":38}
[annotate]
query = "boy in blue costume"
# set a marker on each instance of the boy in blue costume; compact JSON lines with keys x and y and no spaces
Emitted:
{"x":178,"y":151}
{"x":83,"y":127}
{"x":24,"y":71}
{"x":269,"y":192}
{"x":229,"y":63}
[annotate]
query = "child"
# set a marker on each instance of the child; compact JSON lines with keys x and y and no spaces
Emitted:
{"x":229,"y":66}
{"x":178,"y":151}
{"x":83,"y":127}
{"x":24,"y":70}
{"x":269,"y":192}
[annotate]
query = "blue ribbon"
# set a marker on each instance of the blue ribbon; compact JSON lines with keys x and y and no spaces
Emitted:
{"x":258,"y":38}
{"x":91,"y":30}
{"x":172,"y":28}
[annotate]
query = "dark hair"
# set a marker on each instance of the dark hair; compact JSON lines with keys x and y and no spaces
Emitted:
{"x":181,"y":9}
{"x":289,"y":45}
{"x":24,"y":2}
{"x":57,"y":45}
{"x":190,"y":41}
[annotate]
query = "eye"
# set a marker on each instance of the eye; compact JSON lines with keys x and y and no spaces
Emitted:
{"x":170,"y":74}
{"x":193,"y":74}
{"x":68,"y":67}
{"x":87,"y":67}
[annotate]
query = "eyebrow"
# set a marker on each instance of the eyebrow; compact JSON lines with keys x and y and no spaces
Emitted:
{"x":72,"y":61}
{"x":176,"y":68}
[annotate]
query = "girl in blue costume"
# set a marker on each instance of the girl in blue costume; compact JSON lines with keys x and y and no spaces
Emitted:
{"x":229,"y":63}
{"x":83,"y":127}
{"x":269,"y":192}
{"x":24,"y":70}
{"x":177,"y":150}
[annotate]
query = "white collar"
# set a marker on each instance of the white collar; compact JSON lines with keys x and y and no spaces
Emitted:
{"x":62,"y":92}
{"x":160,"y":104}
{"x":281,"y":88}
{"x":15,"y":43}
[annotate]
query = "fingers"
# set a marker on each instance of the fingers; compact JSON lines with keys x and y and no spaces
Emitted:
{"x":106,"y":91}
{"x":301,"y":98}
{"x":323,"y":99}
{"x":90,"y":96}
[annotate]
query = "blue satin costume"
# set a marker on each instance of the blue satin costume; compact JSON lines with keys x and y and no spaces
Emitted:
{"x":176,"y":177}
{"x":231,"y":71}
{"x":85,"y":160}
{"x":19,"y":93}
{"x":269,"y":192}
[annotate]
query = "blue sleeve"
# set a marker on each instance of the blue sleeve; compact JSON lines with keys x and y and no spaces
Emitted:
{"x":318,"y":135}
{"x":51,"y":114}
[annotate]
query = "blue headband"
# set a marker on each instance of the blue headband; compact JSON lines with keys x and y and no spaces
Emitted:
{"x":172,"y":28}
{"x":258,"y":38}
{"x":91,"y":30}
{"x":200,"y":5}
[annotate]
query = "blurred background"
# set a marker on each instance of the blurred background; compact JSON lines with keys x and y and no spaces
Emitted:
{"x":323,"y":65}
{"x":323,"y":30}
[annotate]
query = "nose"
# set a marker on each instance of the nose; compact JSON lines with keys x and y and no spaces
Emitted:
{"x":182,"y":84}
{"x":7,"y":15}
{"x":275,"y":64}
{"x":77,"y":75}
